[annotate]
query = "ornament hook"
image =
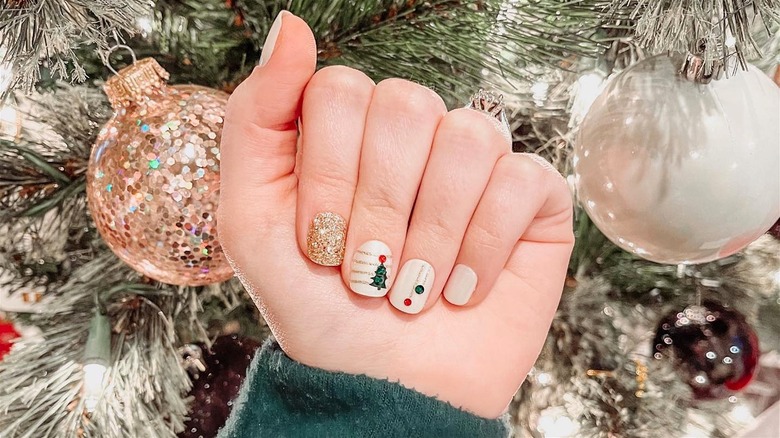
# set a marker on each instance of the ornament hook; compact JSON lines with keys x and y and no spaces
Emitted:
{"x":695,"y":69}
{"x":115,"y":48}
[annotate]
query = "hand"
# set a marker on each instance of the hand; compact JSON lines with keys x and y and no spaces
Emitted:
{"x":438,"y":188}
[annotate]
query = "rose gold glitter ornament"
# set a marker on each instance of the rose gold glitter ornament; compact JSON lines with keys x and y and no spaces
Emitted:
{"x":153,"y":181}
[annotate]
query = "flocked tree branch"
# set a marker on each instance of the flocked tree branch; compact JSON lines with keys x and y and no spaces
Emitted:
{"x":718,"y":29}
{"x":49,"y":31}
{"x":613,"y":299}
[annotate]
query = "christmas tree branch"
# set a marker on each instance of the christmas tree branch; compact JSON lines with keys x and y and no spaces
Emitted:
{"x":589,"y":366}
{"x":32,"y":31}
{"x":47,"y":166}
{"x":41,"y":395}
{"x":475,"y":43}
{"x":602,"y":333}
{"x":44,"y":230}
{"x":218,"y":42}
{"x":718,"y":29}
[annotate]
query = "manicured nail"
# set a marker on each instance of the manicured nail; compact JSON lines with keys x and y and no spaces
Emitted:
{"x":412,"y":286}
{"x":270,"y":39}
{"x":371,"y":267}
{"x":326,"y":238}
{"x":460,"y":286}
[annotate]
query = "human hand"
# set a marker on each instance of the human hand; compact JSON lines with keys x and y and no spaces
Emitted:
{"x":441,"y":192}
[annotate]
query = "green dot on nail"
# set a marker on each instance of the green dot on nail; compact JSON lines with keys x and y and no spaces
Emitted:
{"x":419,"y":289}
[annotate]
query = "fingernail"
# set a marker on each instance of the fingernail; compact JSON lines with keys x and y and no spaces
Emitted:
{"x":270,"y":39}
{"x":460,"y":286}
{"x":412,"y":286}
{"x":371,"y":267}
{"x":326,"y":238}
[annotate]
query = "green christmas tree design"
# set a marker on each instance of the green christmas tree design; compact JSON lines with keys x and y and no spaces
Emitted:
{"x":380,"y":276}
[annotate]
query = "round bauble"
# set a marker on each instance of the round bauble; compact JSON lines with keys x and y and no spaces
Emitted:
{"x":713,"y":347}
{"x":153,"y":177}
{"x":681,"y":172}
{"x":217,"y":378}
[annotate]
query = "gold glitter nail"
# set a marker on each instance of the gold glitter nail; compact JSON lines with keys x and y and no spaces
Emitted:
{"x":326,"y":239}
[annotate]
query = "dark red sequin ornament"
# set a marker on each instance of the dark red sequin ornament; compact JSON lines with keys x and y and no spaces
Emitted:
{"x":215,"y":389}
{"x":714,"y":348}
{"x":775,"y":230}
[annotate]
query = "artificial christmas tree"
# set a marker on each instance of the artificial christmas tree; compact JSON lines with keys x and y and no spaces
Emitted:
{"x":597,"y":375}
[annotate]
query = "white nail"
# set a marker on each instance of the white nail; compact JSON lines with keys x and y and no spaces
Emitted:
{"x":412,"y":286}
{"x":370,"y":270}
{"x":461,"y":285}
{"x":270,"y":39}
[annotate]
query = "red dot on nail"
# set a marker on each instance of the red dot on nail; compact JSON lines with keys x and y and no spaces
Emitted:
{"x":407,"y":302}
{"x":382,"y":259}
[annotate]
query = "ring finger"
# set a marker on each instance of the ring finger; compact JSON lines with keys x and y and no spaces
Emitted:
{"x":466,"y":147}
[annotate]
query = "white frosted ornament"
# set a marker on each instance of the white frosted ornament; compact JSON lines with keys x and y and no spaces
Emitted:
{"x":677,"y":171}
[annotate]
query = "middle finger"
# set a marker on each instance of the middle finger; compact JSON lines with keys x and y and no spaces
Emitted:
{"x":400,"y":125}
{"x":467,"y":145}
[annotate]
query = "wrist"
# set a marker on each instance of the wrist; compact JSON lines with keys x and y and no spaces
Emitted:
{"x":282,"y":396}
{"x":417,"y":367}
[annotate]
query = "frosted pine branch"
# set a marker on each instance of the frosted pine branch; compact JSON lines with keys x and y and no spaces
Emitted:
{"x":36,"y":31}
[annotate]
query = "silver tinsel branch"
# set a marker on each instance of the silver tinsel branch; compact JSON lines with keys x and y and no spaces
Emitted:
{"x":41,"y":392}
{"x":716,"y":28}
{"x":597,"y":368}
{"x":33,"y":32}
{"x":589,"y":368}
{"x":598,"y":345}
{"x":45,"y":168}
{"x":44,"y":226}
{"x":388,"y":38}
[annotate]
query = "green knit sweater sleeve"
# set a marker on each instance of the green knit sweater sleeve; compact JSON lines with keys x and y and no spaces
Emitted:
{"x":283,"y":398}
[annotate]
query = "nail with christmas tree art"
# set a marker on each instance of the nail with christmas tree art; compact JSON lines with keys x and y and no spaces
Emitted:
{"x":412,"y":286}
{"x":370,"y":269}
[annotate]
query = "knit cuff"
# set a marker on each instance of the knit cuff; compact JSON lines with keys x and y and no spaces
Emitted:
{"x":282,"y":397}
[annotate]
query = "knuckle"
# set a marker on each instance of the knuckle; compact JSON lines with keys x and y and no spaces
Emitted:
{"x":436,"y":228}
{"x":560,"y":189}
{"x":384,"y":204}
{"x":513,"y":169}
{"x":488,"y":237}
{"x":531,"y":171}
{"x":537,"y":167}
{"x":469,"y":127}
{"x":330,"y":179}
{"x":410,"y":100}
{"x":337,"y":80}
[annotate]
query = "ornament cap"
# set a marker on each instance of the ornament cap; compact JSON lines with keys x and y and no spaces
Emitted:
{"x":133,"y":82}
{"x":693,"y":68}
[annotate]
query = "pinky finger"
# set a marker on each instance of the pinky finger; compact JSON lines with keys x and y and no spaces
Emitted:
{"x":515,"y":198}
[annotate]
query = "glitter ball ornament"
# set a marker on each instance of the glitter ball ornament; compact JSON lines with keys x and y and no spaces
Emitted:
{"x":216,"y":385}
{"x":714,"y":348}
{"x":677,"y":171}
{"x":153,"y":178}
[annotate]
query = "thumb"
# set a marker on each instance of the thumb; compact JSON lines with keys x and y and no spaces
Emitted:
{"x":259,"y":133}
{"x":272,"y":94}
